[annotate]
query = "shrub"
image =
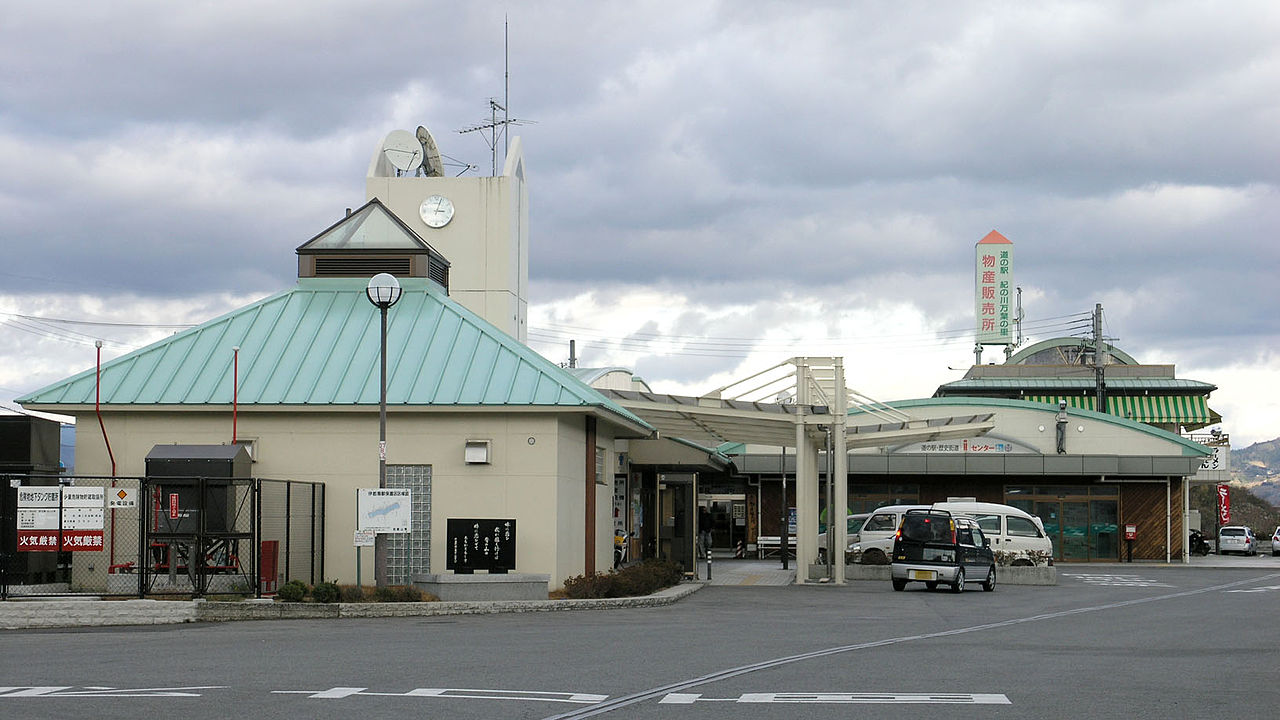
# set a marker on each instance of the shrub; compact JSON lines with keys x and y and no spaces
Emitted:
{"x":325,"y":592}
{"x":354,"y":594}
{"x":398,"y":593}
{"x":640,"y":579}
{"x":292,"y":591}
{"x":1024,"y":557}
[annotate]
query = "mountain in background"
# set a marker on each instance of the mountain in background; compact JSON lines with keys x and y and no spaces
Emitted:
{"x":1257,"y":467}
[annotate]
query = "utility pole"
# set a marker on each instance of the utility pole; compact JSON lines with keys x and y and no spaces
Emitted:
{"x":1100,"y":357}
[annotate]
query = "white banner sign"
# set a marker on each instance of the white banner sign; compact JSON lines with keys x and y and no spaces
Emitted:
{"x":84,"y":497}
{"x":120,"y":498}
{"x":38,"y":519}
{"x":39,"y":497}
{"x":994,"y":291}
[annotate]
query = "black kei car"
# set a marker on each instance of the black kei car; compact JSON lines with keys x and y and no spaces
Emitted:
{"x":934,"y":546}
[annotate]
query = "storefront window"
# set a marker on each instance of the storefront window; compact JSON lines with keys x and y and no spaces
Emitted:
{"x":1080,"y":528}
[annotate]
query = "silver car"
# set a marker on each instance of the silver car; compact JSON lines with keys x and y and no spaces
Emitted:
{"x":1275,"y":543}
{"x":853,"y":524}
{"x":1237,"y":539}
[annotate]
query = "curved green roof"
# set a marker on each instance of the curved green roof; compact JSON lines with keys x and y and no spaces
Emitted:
{"x":318,"y":345}
{"x":1188,"y":447}
{"x":1020,"y":357}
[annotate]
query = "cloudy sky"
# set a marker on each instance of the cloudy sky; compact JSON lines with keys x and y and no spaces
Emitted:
{"x":715,"y":186}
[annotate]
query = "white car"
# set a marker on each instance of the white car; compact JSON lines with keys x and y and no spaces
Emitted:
{"x":1275,"y":543}
{"x":1017,"y":537}
{"x":870,"y":535}
{"x":853,"y":524}
{"x":1237,"y":538}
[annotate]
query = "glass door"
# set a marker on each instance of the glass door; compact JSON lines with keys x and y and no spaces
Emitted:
{"x":1104,"y":521}
{"x":1049,"y":513}
{"x":1075,"y":530}
{"x":676,"y":518}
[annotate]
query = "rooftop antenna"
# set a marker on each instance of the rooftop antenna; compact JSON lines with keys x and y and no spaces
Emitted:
{"x":403,"y":151}
{"x":432,"y":165}
{"x":496,"y":126}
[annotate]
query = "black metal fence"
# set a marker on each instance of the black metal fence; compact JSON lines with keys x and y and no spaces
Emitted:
{"x":161,"y":536}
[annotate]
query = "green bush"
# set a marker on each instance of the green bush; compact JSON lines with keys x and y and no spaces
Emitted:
{"x":640,"y":579}
{"x":292,"y":591}
{"x":325,"y":592}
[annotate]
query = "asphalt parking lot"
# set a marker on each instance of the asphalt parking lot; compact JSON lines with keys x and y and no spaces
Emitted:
{"x":1107,"y":641}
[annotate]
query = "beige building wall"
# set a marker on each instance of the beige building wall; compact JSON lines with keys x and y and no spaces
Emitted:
{"x":486,"y":242}
{"x":1036,"y":428}
{"x":535,"y":475}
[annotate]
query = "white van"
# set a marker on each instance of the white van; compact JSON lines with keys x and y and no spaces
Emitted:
{"x":1017,"y":537}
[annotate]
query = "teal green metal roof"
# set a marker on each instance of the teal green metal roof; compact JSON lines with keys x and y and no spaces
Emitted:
{"x":318,"y":345}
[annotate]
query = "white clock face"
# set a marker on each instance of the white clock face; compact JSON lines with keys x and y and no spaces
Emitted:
{"x":436,"y":211}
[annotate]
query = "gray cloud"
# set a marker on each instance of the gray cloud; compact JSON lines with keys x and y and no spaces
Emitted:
{"x":736,"y":153}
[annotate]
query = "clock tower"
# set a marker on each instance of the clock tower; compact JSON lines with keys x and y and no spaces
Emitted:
{"x":479,"y":224}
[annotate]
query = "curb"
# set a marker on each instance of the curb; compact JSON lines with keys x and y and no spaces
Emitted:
{"x":40,"y":614}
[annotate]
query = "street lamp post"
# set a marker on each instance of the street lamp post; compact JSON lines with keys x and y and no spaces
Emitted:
{"x":383,"y":291}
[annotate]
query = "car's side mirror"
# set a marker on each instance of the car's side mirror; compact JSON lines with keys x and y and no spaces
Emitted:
{"x":986,"y":542}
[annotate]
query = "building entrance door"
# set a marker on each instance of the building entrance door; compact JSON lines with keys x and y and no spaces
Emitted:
{"x":677,"y":515}
{"x":728,"y":520}
{"x":1081,"y":529}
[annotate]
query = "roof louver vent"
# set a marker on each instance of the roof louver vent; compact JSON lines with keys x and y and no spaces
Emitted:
{"x":360,"y":266}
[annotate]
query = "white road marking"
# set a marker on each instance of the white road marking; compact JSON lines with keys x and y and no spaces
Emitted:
{"x":101,"y":692}
{"x":453,"y":693}
{"x":1115,"y":580}
{"x":846,"y":698}
{"x":658,"y":692}
{"x":1265,"y":588}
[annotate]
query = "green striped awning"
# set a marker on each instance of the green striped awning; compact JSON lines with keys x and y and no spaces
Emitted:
{"x":1182,"y":409}
{"x":1082,"y":402}
{"x":1188,"y":410}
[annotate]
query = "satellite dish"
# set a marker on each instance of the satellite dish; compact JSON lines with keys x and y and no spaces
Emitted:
{"x":402,"y":150}
{"x":431,"y":165}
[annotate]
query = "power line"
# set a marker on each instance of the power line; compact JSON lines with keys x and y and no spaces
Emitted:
{"x":734,"y":346}
{"x":1044,"y":324}
{"x":69,"y":321}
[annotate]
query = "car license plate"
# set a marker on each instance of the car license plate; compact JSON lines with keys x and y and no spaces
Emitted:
{"x":924,"y":575}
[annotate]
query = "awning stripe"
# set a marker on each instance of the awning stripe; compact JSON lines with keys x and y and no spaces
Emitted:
{"x":1183,"y":409}
{"x":1083,"y":402}
{"x":1160,"y":408}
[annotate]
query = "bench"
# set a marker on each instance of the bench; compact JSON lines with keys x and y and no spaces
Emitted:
{"x":771,"y":546}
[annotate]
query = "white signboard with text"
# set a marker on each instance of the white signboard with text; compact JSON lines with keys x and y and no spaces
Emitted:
{"x":994,"y":291}
{"x":384,"y":510}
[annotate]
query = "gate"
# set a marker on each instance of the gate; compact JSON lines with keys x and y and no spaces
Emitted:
{"x":188,"y":536}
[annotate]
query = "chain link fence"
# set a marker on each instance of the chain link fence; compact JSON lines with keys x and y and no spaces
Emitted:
{"x":159,"y":536}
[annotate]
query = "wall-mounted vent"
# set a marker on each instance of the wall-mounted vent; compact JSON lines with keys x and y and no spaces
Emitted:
{"x":438,"y":270}
{"x":362,"y":266}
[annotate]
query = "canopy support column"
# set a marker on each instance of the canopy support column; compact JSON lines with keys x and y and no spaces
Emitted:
{"x":837,"y":528}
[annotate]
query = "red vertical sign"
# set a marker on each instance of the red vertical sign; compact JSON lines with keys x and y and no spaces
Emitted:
{"x":173,"y":506}
{"x":1224,"y":505}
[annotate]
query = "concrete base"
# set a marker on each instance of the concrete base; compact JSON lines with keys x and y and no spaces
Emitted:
{"x":512,"y":586}
{"x":127,"y":584}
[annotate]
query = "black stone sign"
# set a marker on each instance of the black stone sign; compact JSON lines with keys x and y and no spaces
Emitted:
{"x":477,"y":544}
